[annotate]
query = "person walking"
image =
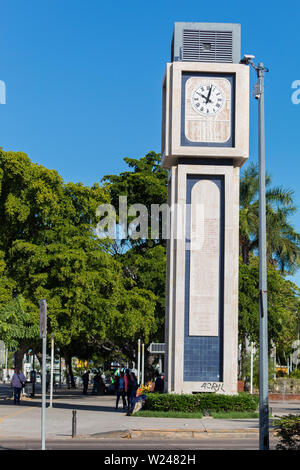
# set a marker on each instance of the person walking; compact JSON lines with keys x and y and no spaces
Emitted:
{"x":128,"y":387}
{"x":159,"y":383}
{"x":102,"y":385}
{"x":120,"y":387}
{"x":85,"y":381}
{"x":96,"y":383}
{"x":134,"y":388}
{"x":17,"y":381}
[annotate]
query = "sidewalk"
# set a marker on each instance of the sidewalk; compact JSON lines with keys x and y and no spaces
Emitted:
{"x":97,"y":418}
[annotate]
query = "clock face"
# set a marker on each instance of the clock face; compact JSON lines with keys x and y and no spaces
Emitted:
{"x":208,"y":109}
{"x":208,"y":99}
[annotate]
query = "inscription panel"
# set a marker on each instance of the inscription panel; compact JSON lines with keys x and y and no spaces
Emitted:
{"x":205,"y":259}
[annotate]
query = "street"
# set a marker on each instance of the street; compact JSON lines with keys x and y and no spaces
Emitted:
{"x":126,"y":445}
{"x":100,"y":427}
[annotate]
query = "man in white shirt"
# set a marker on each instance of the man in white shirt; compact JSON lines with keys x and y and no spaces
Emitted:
{"x":16,"y":382}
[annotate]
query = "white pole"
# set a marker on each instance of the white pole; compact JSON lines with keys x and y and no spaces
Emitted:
{"x":24,"y":372}
{"x":6,"y":359}
{"x":251,"y":370}
{"x":52,"y":366}
{"x":44,"y":396}
{"x":274,"y":375}
{"x":139,"y":361}
{"x":43,"y":335}
{"x":143,"y":363}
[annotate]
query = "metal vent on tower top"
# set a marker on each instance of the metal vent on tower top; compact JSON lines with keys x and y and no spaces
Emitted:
{"x":206,"y":42}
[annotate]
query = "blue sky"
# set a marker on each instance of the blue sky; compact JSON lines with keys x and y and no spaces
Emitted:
{"x":83,"y":80}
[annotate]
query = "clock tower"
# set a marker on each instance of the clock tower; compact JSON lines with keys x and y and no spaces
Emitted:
{"x":205,"y":140}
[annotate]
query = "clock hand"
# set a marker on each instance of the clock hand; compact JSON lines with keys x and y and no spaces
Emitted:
{"x":205,"y":97}
{"x":208,"y":96}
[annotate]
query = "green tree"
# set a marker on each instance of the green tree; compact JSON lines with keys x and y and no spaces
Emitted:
{"x":283,"y":242}
{"x":143,"y":260}
{"x":50,"y":251}
{"x":283,"y":308}
{"x":146,"y":184}
{"x":15,"y":323}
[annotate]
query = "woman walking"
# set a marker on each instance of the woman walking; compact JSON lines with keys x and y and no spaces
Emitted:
{"x":17,"y":381}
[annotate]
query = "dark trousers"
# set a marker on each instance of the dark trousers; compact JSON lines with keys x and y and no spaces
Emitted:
{"x":96,"y":388}
{"x":132,"y":397}
{"x":85,"y":388}
{"x":128,"y":395}
{"x":17,"y":393}
{"x":121,"y":393}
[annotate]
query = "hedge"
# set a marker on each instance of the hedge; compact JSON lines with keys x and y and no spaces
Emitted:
{"x":288,"y":428}
{"x":200,"y":402}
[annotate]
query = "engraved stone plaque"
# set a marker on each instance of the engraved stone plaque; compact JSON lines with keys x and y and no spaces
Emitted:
{"x":205,"y":259}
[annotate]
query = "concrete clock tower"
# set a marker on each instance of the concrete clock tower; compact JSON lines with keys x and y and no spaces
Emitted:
{"x":205,"y":140}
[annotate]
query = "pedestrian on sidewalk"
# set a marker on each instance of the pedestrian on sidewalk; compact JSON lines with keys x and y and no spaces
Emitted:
{"x":85,"y":381}
{"x":102,"y":384}
{"x":134,"y":388}
{"x":128,"y":387}
{"x":120,"y":388}
{"x":96,"y":383}
{"x":159,"y":383}
{"x":17,"y":381}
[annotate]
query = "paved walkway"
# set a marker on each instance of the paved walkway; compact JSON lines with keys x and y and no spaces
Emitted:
{"x":97,"y":417}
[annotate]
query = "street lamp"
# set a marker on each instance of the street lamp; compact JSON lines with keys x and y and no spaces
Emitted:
{"x":260,"y":70}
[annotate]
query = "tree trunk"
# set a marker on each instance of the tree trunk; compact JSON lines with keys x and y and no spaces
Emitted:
{"x":70,"y":376}
{"x":243,"y":356}
{"x":39,"y":356}
{"x":245,"y":250}
{"x":149,"y":367}
{"x":19,"y":356}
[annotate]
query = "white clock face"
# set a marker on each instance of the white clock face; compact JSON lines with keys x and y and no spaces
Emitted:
{"x":208,"y":99}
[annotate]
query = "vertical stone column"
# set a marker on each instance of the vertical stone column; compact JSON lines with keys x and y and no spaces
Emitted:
{"x":202,"y":278}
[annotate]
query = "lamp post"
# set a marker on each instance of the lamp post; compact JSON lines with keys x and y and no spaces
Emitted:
{"x":263,"y":306}
{"x":43,"y":335}
{"x":52,"y":367}
{"x":139,"y":361}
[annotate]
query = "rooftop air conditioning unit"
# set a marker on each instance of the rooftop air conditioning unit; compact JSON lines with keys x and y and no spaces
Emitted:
{"x":206,"y":42}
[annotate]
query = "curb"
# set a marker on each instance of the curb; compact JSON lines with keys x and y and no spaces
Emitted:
{"x":180,"y":433}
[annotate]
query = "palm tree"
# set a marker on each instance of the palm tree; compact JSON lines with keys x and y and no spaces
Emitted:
{"x":283,"y":242}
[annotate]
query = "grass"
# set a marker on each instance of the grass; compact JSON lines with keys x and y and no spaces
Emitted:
{"x":167,"y":414}
{"x":198,"y":415}
{"x":235,"y":414}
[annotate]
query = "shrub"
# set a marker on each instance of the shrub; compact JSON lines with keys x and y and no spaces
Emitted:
{"x":200,"y":402}
{"x":288,"y":428}
{"x":295,"y":374}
